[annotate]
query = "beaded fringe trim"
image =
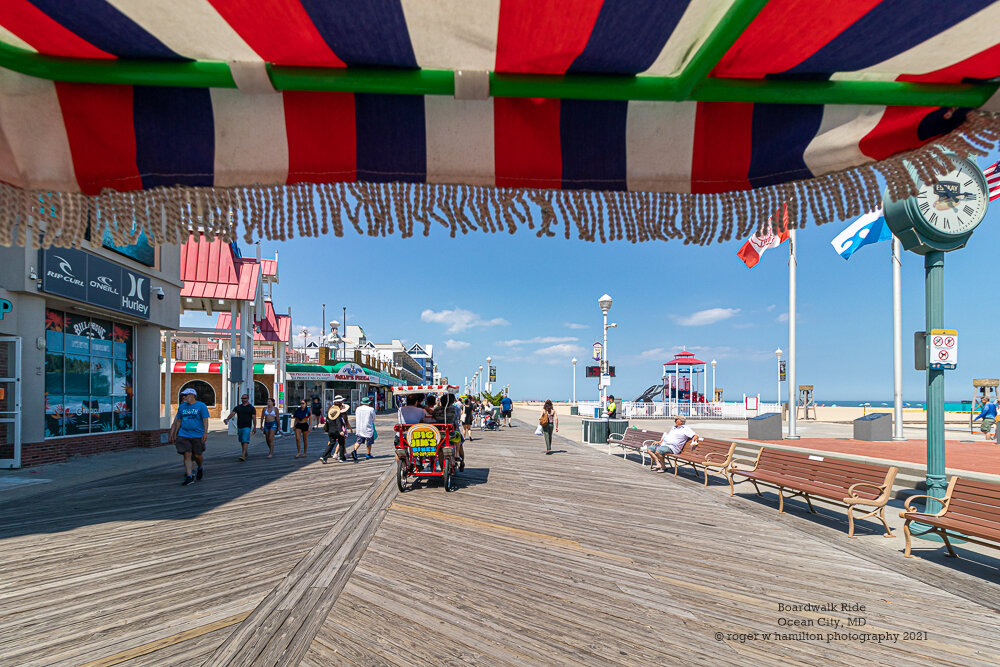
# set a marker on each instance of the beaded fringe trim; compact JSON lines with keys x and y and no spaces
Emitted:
{"x":280,"y":212}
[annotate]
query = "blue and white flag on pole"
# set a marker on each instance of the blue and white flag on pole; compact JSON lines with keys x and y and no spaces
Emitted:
{"x":869,"y":228}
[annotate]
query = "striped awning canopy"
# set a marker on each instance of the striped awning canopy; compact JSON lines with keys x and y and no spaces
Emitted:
{"x":613,"y":118}
{"x":214,"y":367}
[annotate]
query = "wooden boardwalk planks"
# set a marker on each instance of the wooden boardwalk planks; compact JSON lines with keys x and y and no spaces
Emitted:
{"x":136,"y":569}
{"x":583,"y":559}
{"x":572,"y":559}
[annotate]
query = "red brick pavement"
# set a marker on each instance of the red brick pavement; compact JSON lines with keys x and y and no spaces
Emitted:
{"x":978,"y":456}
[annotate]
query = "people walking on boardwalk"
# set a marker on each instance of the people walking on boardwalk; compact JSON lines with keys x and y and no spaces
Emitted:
{"x":468,"y":409}
{"x":189,"y":432}
{"x":337,"y":427}
{"x":989,"y":416}
{"x":269,"y":424}
{"x":315,"y":412}
{"x":672,"y":441}
{"x":246,"y":423}
{"x":364,"y":427}
{"x":301,"y":417}
{"x":549,"y":421}
{"x":506,"y":408}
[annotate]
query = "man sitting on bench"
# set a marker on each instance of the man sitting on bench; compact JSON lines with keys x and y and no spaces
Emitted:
{"x":672,"y":441}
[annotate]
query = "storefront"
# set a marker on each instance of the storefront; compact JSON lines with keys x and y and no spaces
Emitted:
{"x":205,"y":377}
{"x":347,"y":379}
{"x":79,"y":351}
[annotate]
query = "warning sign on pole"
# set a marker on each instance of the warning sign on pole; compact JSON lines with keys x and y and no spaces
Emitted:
{"x":943,"y":349}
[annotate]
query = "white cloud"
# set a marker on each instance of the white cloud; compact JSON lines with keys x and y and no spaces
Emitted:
{"x":655,"y":353}
{"x":709,"y":316}
{"x":539,"y":340}
{"x":456,"y":344}
{"x":460,"y":319}
{"x":770,"y":308}
{"x":558,"y":353}
{"x":574,"y":325}
{"x":782,"y":318}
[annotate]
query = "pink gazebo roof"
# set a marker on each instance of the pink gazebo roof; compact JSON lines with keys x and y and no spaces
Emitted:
{"x":209,"y":270}
{"x":684,"y":358}
{"x":273,"y":327}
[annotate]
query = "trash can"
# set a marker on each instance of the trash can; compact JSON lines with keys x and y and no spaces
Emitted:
{"x":875,"y":427}
{"x":595,"y":431}
{"x":285,"y":419}
{"x":764,"y":427}
{"x":618,"y":426}
{"x":574,"y":409}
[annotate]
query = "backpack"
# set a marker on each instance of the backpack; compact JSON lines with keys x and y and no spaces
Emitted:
{"x":544,"y":419}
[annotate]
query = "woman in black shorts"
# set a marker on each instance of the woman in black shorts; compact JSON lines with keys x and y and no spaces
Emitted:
{"x":467,"y":411}
{"x":301,"y":417}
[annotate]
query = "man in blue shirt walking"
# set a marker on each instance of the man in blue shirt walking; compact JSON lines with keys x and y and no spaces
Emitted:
{"x":189,"y":432}
{"x":989,"y":417}
{"x":506,"y":407}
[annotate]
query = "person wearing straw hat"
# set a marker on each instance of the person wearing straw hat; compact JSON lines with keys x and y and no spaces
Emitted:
{"x":337,"y":427}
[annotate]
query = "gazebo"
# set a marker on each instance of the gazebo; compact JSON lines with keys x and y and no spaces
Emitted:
{"x":678,"y":389}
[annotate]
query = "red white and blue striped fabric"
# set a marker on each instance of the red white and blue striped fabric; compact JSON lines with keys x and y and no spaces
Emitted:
{"x":84,"y":137}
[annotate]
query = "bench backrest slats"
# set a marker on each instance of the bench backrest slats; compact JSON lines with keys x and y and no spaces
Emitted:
{"x":635,"y":436}
{"x":982,"y":515}
{"x":707,"y":446}
{"x":834,"y":472}
{"x":976,"y":502}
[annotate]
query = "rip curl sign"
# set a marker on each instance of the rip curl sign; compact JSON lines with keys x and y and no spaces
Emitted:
{"x":423,"y":439}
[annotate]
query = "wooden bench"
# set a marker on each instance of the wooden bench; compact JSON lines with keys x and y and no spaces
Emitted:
{"x":633,"y":439}
{"x":810,"y":475}
{"x":970,"y":510}
{"x":708,"y":454}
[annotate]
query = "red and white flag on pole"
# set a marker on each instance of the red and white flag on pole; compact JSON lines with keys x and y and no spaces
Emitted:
{"x":992,"y":174}
{"x":755,"y":246}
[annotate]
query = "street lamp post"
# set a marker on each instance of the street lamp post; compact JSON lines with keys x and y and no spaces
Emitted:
{"x":713,"y":380}
{"x":778,"y":353}
{"x":573,"y":361}
{"x":489,"y":368}
{"x":481,"y":383}
{"x":304,"y":332}
{"x":605,"y":303}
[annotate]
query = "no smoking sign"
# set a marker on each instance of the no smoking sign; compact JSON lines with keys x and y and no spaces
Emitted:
{"x":943,"y":349}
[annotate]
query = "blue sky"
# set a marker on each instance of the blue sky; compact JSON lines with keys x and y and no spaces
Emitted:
{"x":531,"y":304}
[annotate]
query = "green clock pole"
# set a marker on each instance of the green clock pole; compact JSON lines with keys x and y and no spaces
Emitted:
{"x":934,"y":303}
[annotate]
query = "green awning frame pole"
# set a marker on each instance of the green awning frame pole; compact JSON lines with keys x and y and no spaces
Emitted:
{"x":692,"y":84}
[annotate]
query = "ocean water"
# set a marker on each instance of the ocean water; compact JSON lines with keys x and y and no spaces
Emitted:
{"x":949,"y":406}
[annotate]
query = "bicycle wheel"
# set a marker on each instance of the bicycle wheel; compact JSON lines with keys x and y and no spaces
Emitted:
{"x":401,"y":475}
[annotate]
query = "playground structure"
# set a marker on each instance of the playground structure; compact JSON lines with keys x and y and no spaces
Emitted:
{"x":677,"y":388}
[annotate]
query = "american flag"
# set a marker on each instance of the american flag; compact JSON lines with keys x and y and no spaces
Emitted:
{"x":992,"y":174}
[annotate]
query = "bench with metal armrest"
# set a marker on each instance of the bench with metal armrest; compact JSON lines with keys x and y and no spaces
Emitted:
{"x":708,"y":454}
{"x":800,"y":474}
{"x":970,"y":510}
{"x":633,"y":439}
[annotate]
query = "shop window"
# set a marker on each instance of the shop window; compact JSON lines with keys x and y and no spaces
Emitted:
{"x":260,"y":393}
{"x":88,"y":375}
{"x":205,"y":392}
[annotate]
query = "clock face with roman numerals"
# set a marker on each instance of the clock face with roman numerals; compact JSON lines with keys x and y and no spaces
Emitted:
{"x":957,"y":202}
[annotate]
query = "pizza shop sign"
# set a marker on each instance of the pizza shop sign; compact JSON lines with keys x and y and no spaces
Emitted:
{"x":346,"y":373}
{"x":352,"y":373}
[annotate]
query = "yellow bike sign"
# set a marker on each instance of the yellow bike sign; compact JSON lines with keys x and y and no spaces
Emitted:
{"x":423,"y":439}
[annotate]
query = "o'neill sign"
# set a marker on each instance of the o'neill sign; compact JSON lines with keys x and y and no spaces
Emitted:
{"x":81,"y":276}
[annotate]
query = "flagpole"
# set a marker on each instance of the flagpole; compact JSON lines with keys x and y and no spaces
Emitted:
{"x":897,"y":343}
{"x":792,"y":387}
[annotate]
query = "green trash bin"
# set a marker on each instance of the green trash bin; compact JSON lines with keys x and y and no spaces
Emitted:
{"x":618,"y":426}
{"x":574,"y":409}
{"x":595,"y":431}
{"x":285,"y":419}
